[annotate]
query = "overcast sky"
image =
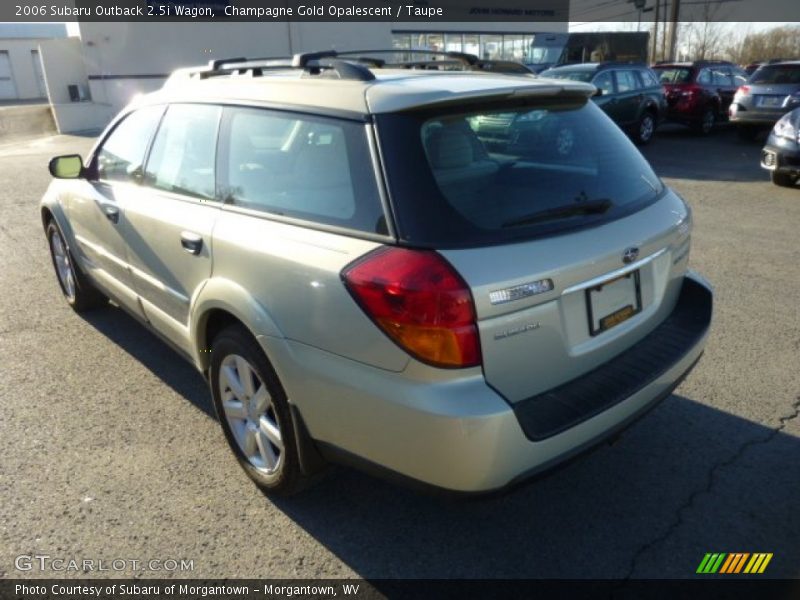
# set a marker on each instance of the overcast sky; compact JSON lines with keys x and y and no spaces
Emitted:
{"x":72,"y":28}
{"x":629,"y":26}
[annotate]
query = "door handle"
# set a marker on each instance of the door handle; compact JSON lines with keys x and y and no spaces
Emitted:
{"x":111,"y":212}
{"x":191,"y":242}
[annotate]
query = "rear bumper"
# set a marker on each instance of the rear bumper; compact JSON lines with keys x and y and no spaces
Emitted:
{"x":460,"y":435}
{"x":743,"y":115}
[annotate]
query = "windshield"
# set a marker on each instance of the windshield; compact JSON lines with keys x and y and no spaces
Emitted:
{"x":777,"y":74}
{"x":540,"y":55}
{"x":574,"y":75}
{"x":673,"y":75}
{"x":498,"y":174}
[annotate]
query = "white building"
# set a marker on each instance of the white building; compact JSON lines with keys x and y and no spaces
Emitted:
{"x":21,"y":76}
{"x":123,"y":59}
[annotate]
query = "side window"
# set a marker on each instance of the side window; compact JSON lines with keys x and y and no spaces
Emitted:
{"x":626,"y":81}
{"x":722,"y":76}
{"x":739,"y":77}
{"x":604,"y":82}
{"x":649,"y":78}
{"x":317,"y":169}
{"x":183,"y":155}
{"x":121,"y":156}
{"x":704,"y":78}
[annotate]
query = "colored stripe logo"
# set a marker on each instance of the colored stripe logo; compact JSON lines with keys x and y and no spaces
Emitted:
{"x":734,"y":563}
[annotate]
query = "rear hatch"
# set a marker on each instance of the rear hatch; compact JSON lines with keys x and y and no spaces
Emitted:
{"x":571,"y":246}
{"x":676,"y":80}
{"x":772,"y":89}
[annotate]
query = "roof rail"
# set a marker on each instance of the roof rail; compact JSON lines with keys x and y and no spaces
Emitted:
{"x":466,"y":60}
{"x":314,"y":63}
{"x":350,"y":64}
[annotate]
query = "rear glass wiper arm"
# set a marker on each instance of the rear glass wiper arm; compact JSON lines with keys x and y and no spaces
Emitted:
{"x":594,"y":207}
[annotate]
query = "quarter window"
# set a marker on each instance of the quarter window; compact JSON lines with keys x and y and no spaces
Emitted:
{"x":300,"y":166}
{"x":649,"y":78}
{"x":183,"y":154}
{"x":121,"y":156}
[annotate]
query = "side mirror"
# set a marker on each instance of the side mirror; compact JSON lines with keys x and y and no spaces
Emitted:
{"x":599,"y":92}
{"x":66,"y":167}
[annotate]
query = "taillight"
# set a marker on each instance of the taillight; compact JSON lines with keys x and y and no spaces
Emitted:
{"x":743,"y":90}
{"x":691,"y":90}
{"x":420,"y":302}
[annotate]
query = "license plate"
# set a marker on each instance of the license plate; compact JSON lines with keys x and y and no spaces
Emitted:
{"x":613,"y":302}
{"x":770,"y":101}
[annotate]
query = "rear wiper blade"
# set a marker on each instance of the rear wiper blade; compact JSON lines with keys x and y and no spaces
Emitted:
{"x":594,"y":207}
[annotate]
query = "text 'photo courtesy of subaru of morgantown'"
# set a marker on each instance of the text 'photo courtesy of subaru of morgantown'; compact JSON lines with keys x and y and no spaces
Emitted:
{"x":452,"y":276}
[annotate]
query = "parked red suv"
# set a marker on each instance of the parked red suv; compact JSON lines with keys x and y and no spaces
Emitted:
{"x":699,"y":93}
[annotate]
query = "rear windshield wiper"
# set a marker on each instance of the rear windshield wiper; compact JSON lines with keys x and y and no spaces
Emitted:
{"x":594,"y":207}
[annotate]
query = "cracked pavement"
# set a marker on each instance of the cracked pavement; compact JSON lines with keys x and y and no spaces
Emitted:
{"x":109,"y":449}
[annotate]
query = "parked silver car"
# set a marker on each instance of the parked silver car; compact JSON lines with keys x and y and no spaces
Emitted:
{"x":364,"y":279}
{"x":771,"y":92}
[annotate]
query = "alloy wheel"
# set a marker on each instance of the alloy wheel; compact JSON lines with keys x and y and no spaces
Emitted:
{"x":708,"y":121}
{"x":251,"y":415}
{"x":66,"y":275}
{"x":646,"y":128}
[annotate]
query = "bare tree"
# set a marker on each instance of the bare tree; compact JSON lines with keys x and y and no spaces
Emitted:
{"x":706,"y":36}
{"x":778,"y":42}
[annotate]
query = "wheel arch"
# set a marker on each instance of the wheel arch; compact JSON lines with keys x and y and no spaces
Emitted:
{"x":52,"y":211}
{"x":220,"y":303}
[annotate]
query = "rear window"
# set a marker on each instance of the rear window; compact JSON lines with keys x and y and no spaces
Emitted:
{"x":674,"y":75}
{"x":777,"y":74}
{"x":584,"y":75}
{"x":504,"y":173}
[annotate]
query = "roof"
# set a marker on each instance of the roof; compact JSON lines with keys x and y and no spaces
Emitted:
{"x":390,"y":91}
{"x":687,"y":64}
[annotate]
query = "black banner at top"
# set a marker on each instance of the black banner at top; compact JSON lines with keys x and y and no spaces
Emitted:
{"x":408,"y":11}
{"x":286,"y":10}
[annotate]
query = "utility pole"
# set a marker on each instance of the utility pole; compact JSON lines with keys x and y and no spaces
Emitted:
{"x":673,"y":27}
{"x":654,"y":41}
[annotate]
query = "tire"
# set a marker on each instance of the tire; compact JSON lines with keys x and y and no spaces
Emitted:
{"x":78,"y":291}
{"x":783,"y":179}
{"x":254,"y":413}
{"x":707,"y":121}
{"x":645,"y":129}
{"x":746,"y":132}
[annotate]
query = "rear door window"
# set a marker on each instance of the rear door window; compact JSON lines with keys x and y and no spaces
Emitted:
{"x":182,"y":158}
{"x":300,"y":166}
{"x":626,"y":81}
{"x":604,"y":81}
{"x":704,"y":77}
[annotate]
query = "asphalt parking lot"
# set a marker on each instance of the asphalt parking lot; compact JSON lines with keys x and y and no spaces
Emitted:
{"x":109,"y":447}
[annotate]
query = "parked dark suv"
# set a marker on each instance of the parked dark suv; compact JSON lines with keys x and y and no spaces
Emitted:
{"x":629,"y":93}
{"x":699,"y":93}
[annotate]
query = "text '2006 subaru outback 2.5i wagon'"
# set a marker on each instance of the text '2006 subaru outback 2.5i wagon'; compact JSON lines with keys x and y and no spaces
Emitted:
{"x":367,"y":273}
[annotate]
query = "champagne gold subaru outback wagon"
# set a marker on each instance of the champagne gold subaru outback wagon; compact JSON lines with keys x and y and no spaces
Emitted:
{"x":432,"y":269}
